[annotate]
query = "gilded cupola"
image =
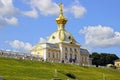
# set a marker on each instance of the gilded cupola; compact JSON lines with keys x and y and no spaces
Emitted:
{"x":61,"y":35}
{"x":61,"y":20}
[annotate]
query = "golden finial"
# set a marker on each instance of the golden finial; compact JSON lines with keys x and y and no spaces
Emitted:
{"x":61,"y":20}
{"x":61,"y":6}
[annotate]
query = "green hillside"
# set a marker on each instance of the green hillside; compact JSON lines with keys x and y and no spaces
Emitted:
{"x":13,"y":69}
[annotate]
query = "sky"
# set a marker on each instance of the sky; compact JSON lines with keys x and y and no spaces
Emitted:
{"x":95,"y":24}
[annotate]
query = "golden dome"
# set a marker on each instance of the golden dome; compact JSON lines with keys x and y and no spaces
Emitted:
{"x":61,"y":20}
{"x":61,"y":35}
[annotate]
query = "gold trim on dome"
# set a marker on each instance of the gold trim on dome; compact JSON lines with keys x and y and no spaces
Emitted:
{"x":62,"y":35}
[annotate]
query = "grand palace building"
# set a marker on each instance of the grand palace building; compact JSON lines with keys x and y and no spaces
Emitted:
{"x":61,"y":46}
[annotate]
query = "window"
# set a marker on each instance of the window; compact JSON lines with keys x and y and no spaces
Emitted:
{"x":53,"y":55}
{"x":65,"y":55}
{"x":38,"y":54}
{"x":53,"y":37}
{"x":75,"y":56}
{"x":71,"y":42}
{"x":65,"y":48}
{"x":49,"y":55}
{"x":82,"y":59}
{"x":71,"y":56}
{"x":85,"y":59}
{"x":70,"y":49}
{"x":75,"y":50}
{"x":69,"y":37}
{"x":70,"y":60}
{"x":56,"y":55}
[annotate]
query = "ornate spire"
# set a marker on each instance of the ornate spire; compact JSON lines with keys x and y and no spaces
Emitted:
{"x":61,"y":20}
{"x":61,"y":11}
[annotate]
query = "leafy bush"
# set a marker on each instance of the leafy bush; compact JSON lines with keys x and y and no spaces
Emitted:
{"x":70,"y":75}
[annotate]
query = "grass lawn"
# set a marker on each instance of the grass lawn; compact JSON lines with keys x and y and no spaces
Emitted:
{"x":14,"y":69}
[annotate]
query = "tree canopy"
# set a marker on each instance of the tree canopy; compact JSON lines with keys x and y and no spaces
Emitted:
{"x":103,"y":59}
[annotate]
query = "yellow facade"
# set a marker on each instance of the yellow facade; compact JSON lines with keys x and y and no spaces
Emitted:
{"x":117,"y":63}
{"x":38,"y":51}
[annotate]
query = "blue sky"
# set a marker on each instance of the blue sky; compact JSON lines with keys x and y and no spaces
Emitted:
{"x":95,"y":24}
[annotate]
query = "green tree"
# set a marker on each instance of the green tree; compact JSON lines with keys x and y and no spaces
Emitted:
{"x":103,"y":58}
{"x":96,"y":58}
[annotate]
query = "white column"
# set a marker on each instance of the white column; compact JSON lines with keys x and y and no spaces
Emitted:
{"x":44,"y":54}
{"x":61,"y":52}
{"x":78,"y":56}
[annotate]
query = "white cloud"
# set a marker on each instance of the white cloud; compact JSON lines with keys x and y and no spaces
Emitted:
{"x":33,"y":13}
{"x":78,"y":11}
{"x":101,"y":36}
{"x":46,"y":7}
{"x":42,"y":40}
{"x":7,"y":8}
{"x":8,"y":13}
{"x":12,"y":20}
{"x":20,"y":45}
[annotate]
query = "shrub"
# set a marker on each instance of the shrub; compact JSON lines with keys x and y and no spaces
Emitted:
{"x":70,"y":75}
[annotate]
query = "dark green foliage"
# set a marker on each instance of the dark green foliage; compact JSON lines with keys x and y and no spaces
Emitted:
{"x":96,"y":58}
{"x":70,"y":75}
{"x":103,"y":59}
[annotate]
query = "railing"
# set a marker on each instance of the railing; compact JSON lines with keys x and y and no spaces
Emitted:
{"x":18,"y":55}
